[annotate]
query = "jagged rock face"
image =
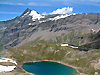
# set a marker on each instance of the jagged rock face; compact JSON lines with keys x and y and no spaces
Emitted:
{"x":93,"y":43}
{"x":94,"y":37}
{"x":31,"y":25}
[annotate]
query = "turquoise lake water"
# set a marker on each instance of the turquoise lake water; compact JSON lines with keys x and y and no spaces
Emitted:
{"x":48,"y":68}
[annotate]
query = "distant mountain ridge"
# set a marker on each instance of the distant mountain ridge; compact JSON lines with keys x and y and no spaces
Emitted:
{"x":56,"y":28}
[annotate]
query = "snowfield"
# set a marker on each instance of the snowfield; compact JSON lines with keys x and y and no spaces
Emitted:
{"x":64,"y":44}
{"x":35,"y":15}
{"x":7,"y":60}
{"x":7,"y":68}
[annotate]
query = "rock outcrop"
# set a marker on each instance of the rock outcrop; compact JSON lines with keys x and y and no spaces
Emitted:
{"x":31,"y":25}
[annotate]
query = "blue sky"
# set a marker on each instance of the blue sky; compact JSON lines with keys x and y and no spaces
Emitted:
{"x":13,"y":8}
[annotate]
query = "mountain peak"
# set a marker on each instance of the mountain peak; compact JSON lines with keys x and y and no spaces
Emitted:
{"x":28,"y":9}
{"x":33,"y":12}
{"x":26,"y":12}
{"x":36,"y":15}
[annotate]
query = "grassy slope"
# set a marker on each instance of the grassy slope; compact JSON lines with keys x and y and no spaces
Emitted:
{"x":34,"y":52}
{"x":1,"y":47}
{"x":73,"y":37}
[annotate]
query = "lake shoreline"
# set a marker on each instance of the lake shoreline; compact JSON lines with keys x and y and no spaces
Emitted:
{"x":60,"y":62}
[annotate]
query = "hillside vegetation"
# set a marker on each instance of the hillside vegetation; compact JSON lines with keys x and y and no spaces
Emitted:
{"x":84,"y":61}
{"x":29,"y":39}
{"x":1,"y":47}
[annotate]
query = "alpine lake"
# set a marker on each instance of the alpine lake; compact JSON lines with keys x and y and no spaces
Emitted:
{"x":48,"y":68}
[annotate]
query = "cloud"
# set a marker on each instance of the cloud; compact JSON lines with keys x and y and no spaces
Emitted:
{"x":37,"y":4}
{"x":64,"y":10}
{"x":75,"y":2}
{"x":32,"y":4}
{"x":7,"y":3}
{"x":9,"y":13}
{"x":92,"y":0}
{"x":26,"y":4}
{"x":78,"y":0}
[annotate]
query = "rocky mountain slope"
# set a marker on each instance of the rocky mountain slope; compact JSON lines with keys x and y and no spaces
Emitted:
{"x":39,"y":37}
{"x":57,"y":28}
{"x":94,"y":42}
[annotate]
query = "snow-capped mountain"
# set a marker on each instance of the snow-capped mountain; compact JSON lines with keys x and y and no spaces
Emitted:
{"x":56,"y":28}
{"x":33,"y":14}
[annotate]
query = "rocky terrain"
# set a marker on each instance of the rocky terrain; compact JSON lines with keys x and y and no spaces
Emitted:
{"x":93,"y":42}
{"x":34,"y":37}
{"x":86,"y":62}
{"x":30,"y":26}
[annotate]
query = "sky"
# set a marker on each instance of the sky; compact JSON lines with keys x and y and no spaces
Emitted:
{"x":10,"y":9}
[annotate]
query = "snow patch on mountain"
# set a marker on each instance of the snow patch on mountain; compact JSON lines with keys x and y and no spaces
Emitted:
{"x":7,"y":68}
{"x":18,"y":21}
{"x":62,"y":16}
{"x":64,"y":44}
{"x":7,"y":60}
{"x":3,"y":28}
{"x":73,"y":47}
{"x":35,"y":15}
{"x":30,"y":24}
{"x":59,"y":17}
{"x":25,"y":14}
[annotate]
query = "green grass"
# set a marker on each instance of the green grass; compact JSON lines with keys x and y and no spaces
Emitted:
{"x":71,"y":37}
{"x":41,"y":49}
{"x":34,"y":52}
{"x":1,"y":47}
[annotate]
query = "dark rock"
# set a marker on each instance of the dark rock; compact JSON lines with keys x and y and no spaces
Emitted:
{"x":23,"y":27}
